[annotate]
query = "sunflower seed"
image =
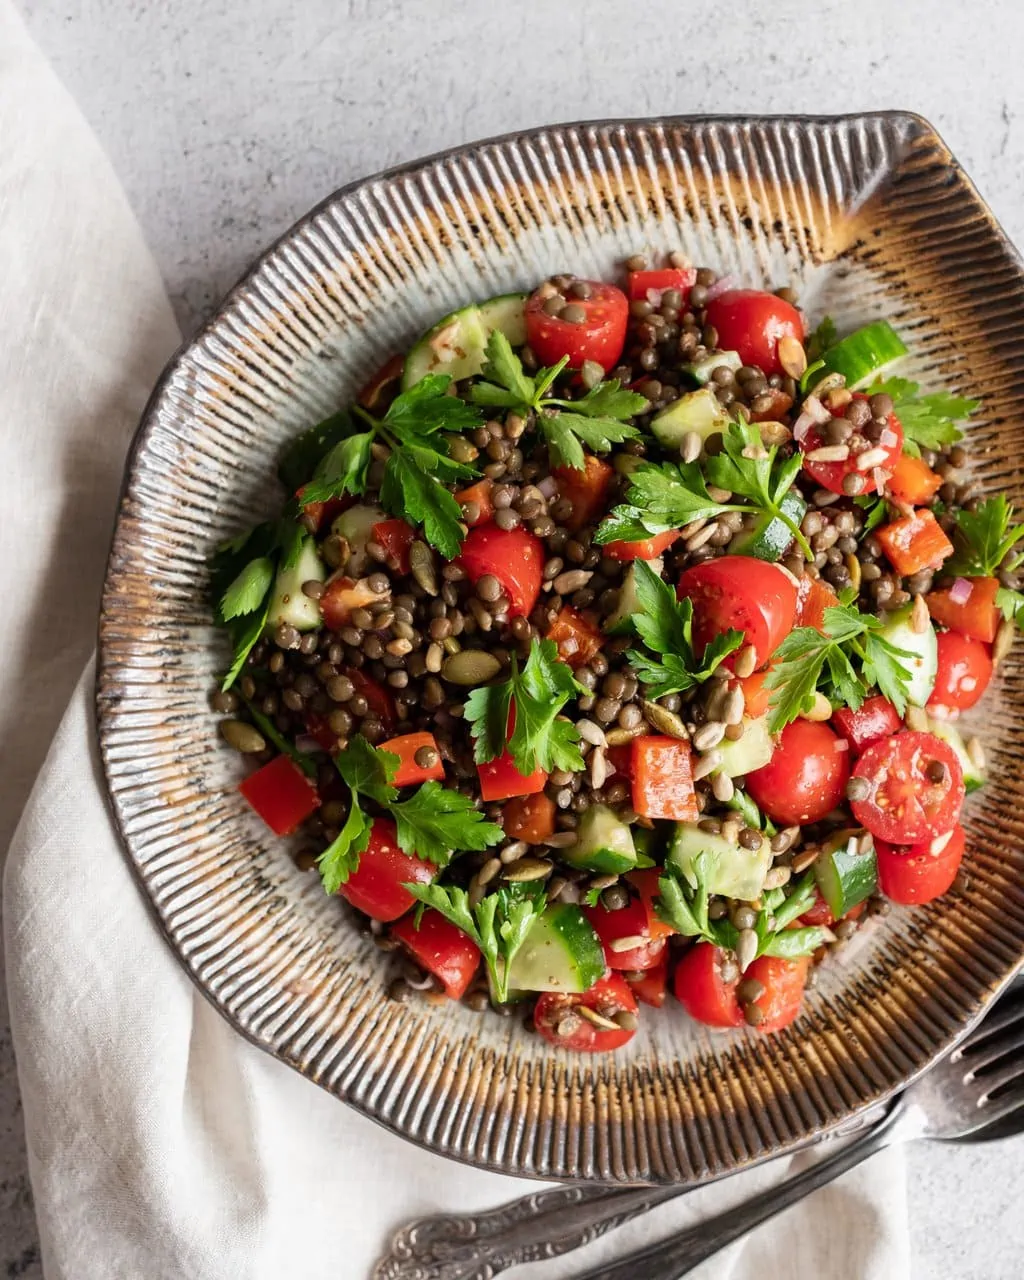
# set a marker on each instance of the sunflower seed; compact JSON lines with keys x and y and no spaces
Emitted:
{"x":919,"y":621}
{"x":709,"y":735}
{"x":777,"y":877}
{"x":598,"y":768}
{"x":828,"y":453}
{"x":591,"y":732}
{"x":792,"y":356}
{"x":871,"y":458}
{"x":820,"y":709}
{"x":708,"y":763}
{"x":691,"y":446}
{"x":733,"y":705}
{"x":853,"y":569}
{"x":977,"y":752}
{"x":746,"y":661}
{"x":746,"y":949}
{"x":699,"y":539}
{"x":722,"y":787}
{"x":805,"y":858}
{"x":598,"y":1019}
{"x":916,"y":719}
{"x":628,"y":943}
{"x":1004,"y":640}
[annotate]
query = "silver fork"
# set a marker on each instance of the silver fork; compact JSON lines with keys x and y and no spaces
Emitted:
{"x":975,"y":1091}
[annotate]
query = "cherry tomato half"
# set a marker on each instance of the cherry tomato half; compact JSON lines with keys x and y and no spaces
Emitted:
{"x":650,"y":985}
{"x":922,"y":871}
{"x":965,"y":669}
{"x":742,"y":593}
{"x":751,"y":323}
{"x":630,"y":921}
{"x":441,"y":949}
{"x":599,"y":336}
{"x":832,"y":475}
{"x":610,"y":996}
{"x":806,"y":776}
{"x":642,"y":283}
{"x":703,"y":992}
{"x":917,"y":788}
{"x":377,"y":886}
{"x":876,"y":718}
{"x":514,"y":556}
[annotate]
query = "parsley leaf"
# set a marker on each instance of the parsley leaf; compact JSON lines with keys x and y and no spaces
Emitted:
{"x":928,"y":422}
{"x":248,"y":591}
{"x":342,"y":470}
{"x":301,"y":458}
{"x":742,"y":803}
{"x":369,"y":770}
{"x":416,"y":493}
{"x":984,"y":538}
{"x":684,"y":905}
{"x":435,"y":820}
{"x":821,"y":339}
{"x":665,"y":625}
{"x":877,"y":512}
{"x":1011,"y":605}
{"x":244,"y":634}
{"x":341,"y":857}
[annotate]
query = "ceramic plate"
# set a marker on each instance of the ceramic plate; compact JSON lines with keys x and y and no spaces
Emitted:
{"x":866,"y":216}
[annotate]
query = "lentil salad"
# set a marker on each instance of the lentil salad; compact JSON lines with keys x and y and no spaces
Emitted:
{"x":595,"y":652}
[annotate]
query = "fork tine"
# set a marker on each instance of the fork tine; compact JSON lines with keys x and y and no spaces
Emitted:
{"x":993,"y":1050}
{"x":1007,"y":1013}
{"x":992,"y":1082}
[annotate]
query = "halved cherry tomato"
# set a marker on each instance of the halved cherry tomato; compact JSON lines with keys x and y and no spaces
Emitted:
{"x":645,"y":881}
{"x":499,"y":779}
{"x":396,"y":537}
{"x":965,"y":669}
{"x":663,"y":779}
{"x":780,"y":404}
{"x":377,"y":886}
{"x":913,"y":481}
{"x":600,"y":337}
{"x":831,"y":475}
{"x":586,"y":489}
{"x":382,"y":704}
{"x":650,"y":985}
{"x":751,"y":323}
{"x":641,"y":283}
{"x":322,"y":513}
{"x":529,"y":818}
{"x":813,"y":597}
{"x":440,"y":948}
{"x":905,"y":804}
{"x":914,"y":543}
{"x":784,"y":982}
{"x":341,"y":596}
{"x":406,"y":748}
{"x":821,"y":913}
{"x":609,"y":996}
{"x":876,"y":718}
{"x":806,"y":776}
{"x":630,"y":921}
{"x":281,"y":794}
{"x":481,"y":495}
{"x":756,"y":696}
{"x":977,"y":617}
{"x":388,"y":374}
{"x":514,"y":556}
{"x":742,"y":593}
{"x":645,"y":549}
{"x":921,"y":872}
{"x":578,"y":639}
{"x":703,"y":992}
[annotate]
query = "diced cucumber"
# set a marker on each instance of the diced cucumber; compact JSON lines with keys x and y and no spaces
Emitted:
{"x":289,"y":603}
{"x":845,"y":877}
{"x":649,"y":842}
{"x":924,"y":664}
{"x":733,"y":871}
{"x":864,"y":353}
{"x":618,"y":623}
{"x":355,"y":526}
{"x":561,"y":953}
{"x":455,"y":345}
{"x":952,"y":737}
{"x":702,"y":370}
{"x":752,"y":751}
{"x":694,"y":411}
{"x":770,"y":536}
{"x":603,"y":842}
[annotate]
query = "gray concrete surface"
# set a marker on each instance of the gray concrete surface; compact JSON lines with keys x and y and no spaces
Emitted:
{"x":227,"y":120}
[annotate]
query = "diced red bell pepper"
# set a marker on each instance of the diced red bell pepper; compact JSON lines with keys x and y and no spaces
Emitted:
{"x":645,"y":881}
{"x":405,"y":747}
{"x":647,"y":549}
{"x":914,"y":543}
{"x":499,"y":779}
{"x":396,"y":537}
{"x":389,"y":373}
{"x":651,"y":985}
{"x":440,"y":948}
{"x":382,"y":704}
{"x":578,"y":638}
{"x":913,"y":481}
{"x":341,"y":596}
{"x":977,"y":617}
{"x":642,"y":283}
{"x":321,"y":513}
{"x":756,"y":694}
{"x":514,"y":556}
{"x":481,"y":495}
{"x":663,"y":779}
{"x":529,"y":818}
{"x":779,"y":407}
{"x":281,"y":794}
{"x":587,"y":490}
{"x":876,"y":718}
{"x":628,"y":922}
{"x":813,"y":597}
{"x":377,"y":886}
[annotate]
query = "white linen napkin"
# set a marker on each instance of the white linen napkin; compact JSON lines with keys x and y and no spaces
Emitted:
{"x":162,"y":1144}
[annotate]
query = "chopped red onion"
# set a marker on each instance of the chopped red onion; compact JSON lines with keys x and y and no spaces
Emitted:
{"x":801,"y":427}
{"x":960,"y":591}
{"x":722,"y":285}
{"x":304,"y":742}
{"x":548,"y":487}
{"x":888,"y":438}
{"x":654,"y":297}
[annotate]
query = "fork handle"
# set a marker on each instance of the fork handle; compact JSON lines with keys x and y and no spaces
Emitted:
{"x":680,"y":1253}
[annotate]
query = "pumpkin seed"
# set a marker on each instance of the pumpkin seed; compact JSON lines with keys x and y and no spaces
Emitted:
{"x":243,"y":737}
{"x":663,"y":720}
{"x":422,"y":568}
{"x":470,"y":667}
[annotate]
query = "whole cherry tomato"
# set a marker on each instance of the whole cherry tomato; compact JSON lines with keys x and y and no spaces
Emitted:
{"x":751,"y":323}
{"x":806,"y":776}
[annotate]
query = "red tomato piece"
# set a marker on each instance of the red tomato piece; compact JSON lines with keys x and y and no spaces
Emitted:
{"x":281,"y":794}
{"x":387,"y":376}
{"x":382,"y":704}
{"x":377,"y":886}
{"x":703,"y":992}
{"x":341,"y":596}
{"x":876,"y":718}
{"x":645,"y":881}
{"x":481,"y":495}
{"x":914,"y":543}
{"x":514,"y":556}
{"x":530,"y":818}
{"x":600,"y":337}
{"x":784,"y":982}
{"x":921,"y":872}
{"x":396,"y":537}
{"x":756,"y":695}
{"x":913,"y":481}
{"x":405,"y":747}
{"x":578,"y":639}
{"x":830,"y":475}
{"x":650,"y":985}
{"x":821,"y":913}
{"x":631,"y":921}
{"x":965,"y":669}
{"x":778,"y":408}
{"x":640,"y":284}
{"x":976,"y":617}
{"x":645,"y":549}
{"x":806,"y":776}
{"x":609,"y":996}
{"x":586,"y":489}
{"x":752,"y":322}
{"x":440,"y":948}
{"x":742,"y":593}
{"x":813,"y":597}
{"x":321,"y":513}
{"x":906,"y":804}
{"x":663,"y":779}
{"x":499,"y":779}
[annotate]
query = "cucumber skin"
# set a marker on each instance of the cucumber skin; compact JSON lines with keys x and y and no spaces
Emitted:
{"x":479,"y":320}
{"x":770,"y":537}
{"x":886,"y":345}
{"x":566,"y":952}
{"x":620,"y":623}
{"x":924,"y":646}
{"x":846,"y":879}
{"x":288,"y":603}
{"x":598,"y":852}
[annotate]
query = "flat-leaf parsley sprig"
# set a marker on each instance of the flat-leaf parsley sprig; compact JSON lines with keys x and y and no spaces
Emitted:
{"x":986,"y":547}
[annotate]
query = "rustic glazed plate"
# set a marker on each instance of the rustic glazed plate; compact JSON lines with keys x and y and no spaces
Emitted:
{"x":866,"y":216}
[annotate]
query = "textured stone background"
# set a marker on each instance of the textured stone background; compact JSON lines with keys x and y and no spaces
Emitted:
{"x":226,"y":121}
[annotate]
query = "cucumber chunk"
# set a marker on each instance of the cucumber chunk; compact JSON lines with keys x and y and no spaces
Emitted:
{"x":618,"y":623}
{"x":604,"y":842}
{"x":507,"y":314}
{"x":702,"y":370}
{"x":924,"y":664}
{"x":864,"y":353}
{"x":770,"y":537}
{"x":356,"y":525}
{"x":733,"y":871}
{"x":951,"y":735}
{"x":289,"y":604}
{"x":845,"y":877}
{"x":561,"y":953}
{"x":455,"y":345}
{"x":752,"y":751}
{"x":695,"y":411}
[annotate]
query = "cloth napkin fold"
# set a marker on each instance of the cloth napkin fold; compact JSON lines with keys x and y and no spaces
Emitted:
{"x":162,"y":1144}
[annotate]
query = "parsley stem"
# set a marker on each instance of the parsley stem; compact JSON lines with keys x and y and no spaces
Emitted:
{"x":794,"y":528}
